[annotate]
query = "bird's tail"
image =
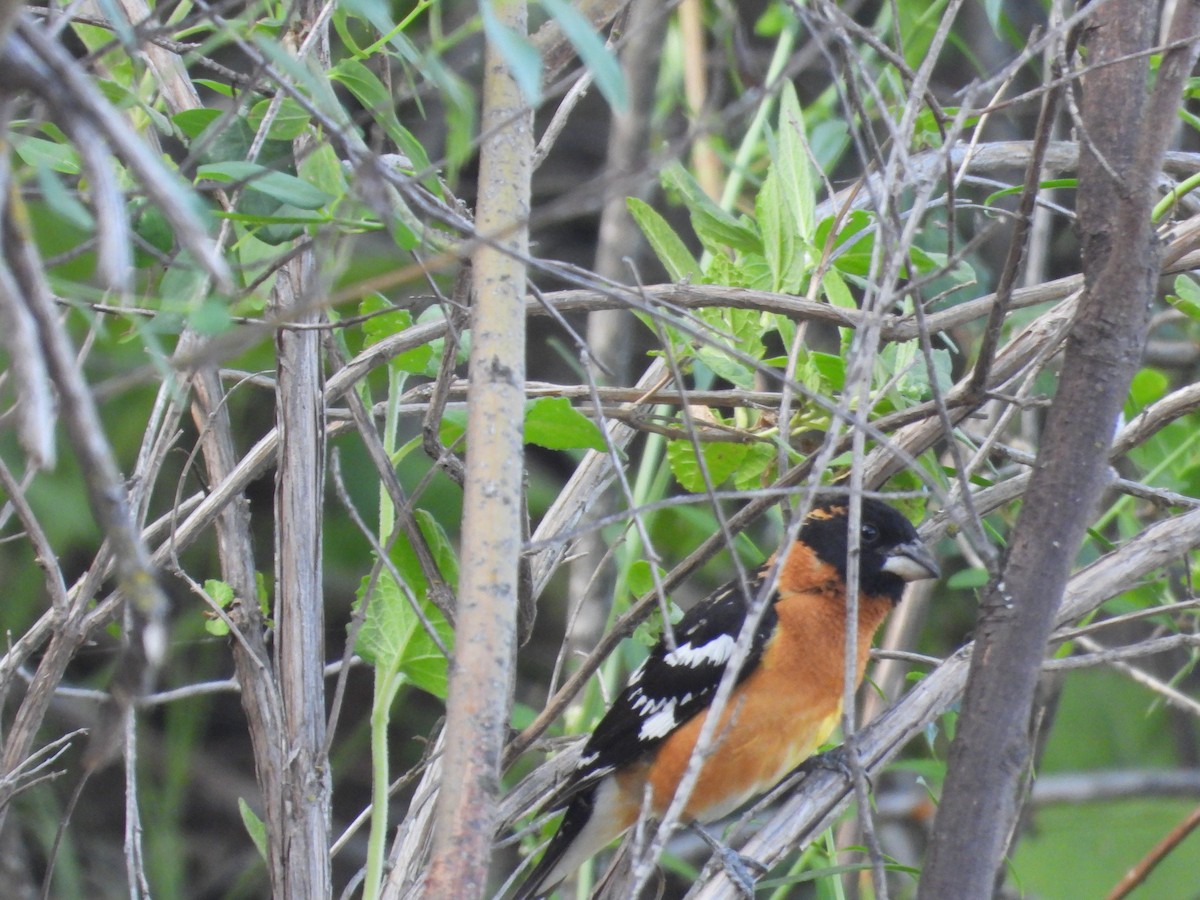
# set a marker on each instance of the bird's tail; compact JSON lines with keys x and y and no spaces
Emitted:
{"x":591,"y":822}
{"x":546,"y":875}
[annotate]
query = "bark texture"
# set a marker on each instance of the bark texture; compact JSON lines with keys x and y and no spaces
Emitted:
{"x":483,"y":660}
{"x":1125,"y":135}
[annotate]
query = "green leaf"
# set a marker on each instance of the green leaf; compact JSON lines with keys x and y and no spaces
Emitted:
{"x":254,"y":827}
{"x":993,"y":10}
{"x":968,"y":578}
{"x":649,"y":632}
{"x":744,"y":325}
{"x":62,"y":201}
{"x":322,"y":169}
{"x":459,"y":109}
{"x":716,"y":228}
{"x":899,"y":363}
{"x":377,"y":12}
{"x":830,"y":370}
{"x":785,"y":205}
{"x":854,"y":231}
{"x":1051,"y":184}
{"x":595,"y":55}
{"x":386,"y":322}
{"x":552,"y":422}
{"x":1186,"y":298}
{"x":439,"y":546}
{"x":784,"y":253}
{"x":836,"y":290}
{"x":725,"y":366}
{"x":375,"y":98}
{"x":640,"y":578}
{"x":523,"y":715}
{"x":1147,"y":386}
{"x":392,"y":637}
{"x":760,"y":458}
{"x":291,"y":120}
{"x":913,"y":382}
{"x":183,"y":284}
{"x":210,"y":317}
{"x":666,"y":244}
{"x":35,"y":151}
{"x":222,"y":595}
{"x":453,"y":426}
{"x":721,"y":460}
{"x":772,"y":22}
{"x":153,"y":228}
{"x":225,"y":138}
{"x":287,"y":215}
{"x":217,"y":87}
{"x":523,"y":59}
{"x":368,"y":90}
{"x":125,"y":99}
{"x":927,"y":262}
{"x":749,"y":270}
{"x":285,"y":225}
{"x":305,"y":75}
{"x":214,"y":626}
{"x":277,"y":185}
{"x":829,"y":141}
{"x":192,"y":122}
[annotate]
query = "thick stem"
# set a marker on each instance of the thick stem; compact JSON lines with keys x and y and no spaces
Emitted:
{"x":299,"y":597}
{"x":1126,"y":138}
{"x":482,"y":671}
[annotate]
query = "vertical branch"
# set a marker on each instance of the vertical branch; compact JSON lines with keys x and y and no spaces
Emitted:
{"x":482,"y":672}
{"x":298,"y":595}
{"x":300,"y":614}
{"x":255,"y":675}
{"x":1126,"y":139}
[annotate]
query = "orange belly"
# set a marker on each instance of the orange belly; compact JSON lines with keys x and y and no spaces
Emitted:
{"x":774,"y":720}
{"x":753,"y":749}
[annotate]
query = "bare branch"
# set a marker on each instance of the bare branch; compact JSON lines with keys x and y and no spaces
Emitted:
{"x":1103,"y":351}
{"x":481,"y":676}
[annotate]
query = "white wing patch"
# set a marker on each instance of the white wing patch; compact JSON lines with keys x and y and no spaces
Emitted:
{"x":637,"y":675}
{"x":714,"y":653}
{"x":660,"y":722}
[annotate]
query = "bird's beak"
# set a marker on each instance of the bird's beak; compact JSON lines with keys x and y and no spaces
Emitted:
{"x":912,"y":562}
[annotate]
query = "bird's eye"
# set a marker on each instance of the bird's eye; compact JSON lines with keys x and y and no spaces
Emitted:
{"x":870,"y":534}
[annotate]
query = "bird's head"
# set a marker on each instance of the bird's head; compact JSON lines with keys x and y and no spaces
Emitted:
{"x":892,"y":553}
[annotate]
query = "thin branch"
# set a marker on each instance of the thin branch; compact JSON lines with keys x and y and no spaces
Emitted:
{"x":1116,"y":659}
{"x":1139,"y":873}
{"x":107,"y":497}
{"x":1104,"y":656}
{"x":1017,"y":242}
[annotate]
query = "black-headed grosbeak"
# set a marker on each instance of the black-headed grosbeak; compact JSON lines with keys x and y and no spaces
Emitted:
{"x":787,"y":700}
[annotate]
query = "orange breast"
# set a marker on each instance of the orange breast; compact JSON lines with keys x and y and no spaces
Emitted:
{"x":775,"y":719}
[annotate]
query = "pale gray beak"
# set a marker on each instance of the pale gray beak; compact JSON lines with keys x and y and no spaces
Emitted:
{"x":912,"y":562}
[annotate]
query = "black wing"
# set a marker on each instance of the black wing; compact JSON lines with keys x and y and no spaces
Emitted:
{"x":667,"y":690}
{"x":672,"y":686}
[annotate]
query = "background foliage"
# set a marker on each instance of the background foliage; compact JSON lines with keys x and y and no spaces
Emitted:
{"x":794,"y":217}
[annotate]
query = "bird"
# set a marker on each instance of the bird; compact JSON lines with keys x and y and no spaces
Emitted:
{"x":786,"y":701}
